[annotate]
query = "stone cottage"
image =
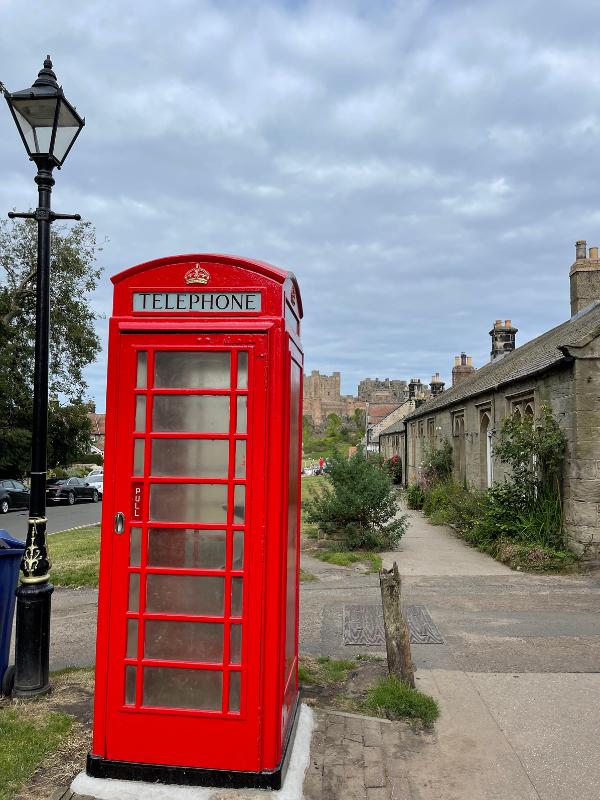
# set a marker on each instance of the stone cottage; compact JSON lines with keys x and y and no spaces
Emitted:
{"x":560,"y":368}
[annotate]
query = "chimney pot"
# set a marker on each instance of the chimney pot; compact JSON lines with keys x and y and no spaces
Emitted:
{"x":507,"y":323}
{"x":580,"y":249}
{"x":469,"y":361}
{"x":456,"y":361}
{"x":498,"y":323}
{"x":594,"y":252}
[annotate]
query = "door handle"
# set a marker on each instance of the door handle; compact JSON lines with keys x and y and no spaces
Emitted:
{"x":119,"y":522}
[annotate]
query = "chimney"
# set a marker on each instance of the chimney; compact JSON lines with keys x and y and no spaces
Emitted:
{"x":463,"y":368}
{"x":413,"y":388}
{"x":436,"y":385}
{"x":584,"y":277}
{"x":503,"y":339}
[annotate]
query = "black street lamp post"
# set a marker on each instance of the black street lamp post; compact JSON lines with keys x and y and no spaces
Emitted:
{"x":48,"y":125}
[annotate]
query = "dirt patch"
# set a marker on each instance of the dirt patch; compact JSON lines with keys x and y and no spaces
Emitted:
{"x":348,"y":693}
{"x":72,"y":693}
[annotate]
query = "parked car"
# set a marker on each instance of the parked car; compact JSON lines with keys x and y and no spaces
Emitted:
{"x":96,"y":479}
{"x":70,"y":490}
{"x":13,"y":494}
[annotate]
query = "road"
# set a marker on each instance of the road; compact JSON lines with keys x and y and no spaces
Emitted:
{"x":60,"y":518}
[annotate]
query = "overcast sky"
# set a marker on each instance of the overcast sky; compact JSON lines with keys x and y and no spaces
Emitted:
{"x":423,"y":167}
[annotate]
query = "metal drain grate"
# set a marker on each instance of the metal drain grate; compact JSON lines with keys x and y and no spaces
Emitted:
{"x":363,"y":625}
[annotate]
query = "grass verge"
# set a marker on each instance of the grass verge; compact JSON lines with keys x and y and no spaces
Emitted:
{"x":27,"y":736}
{"x":75,"y":557}
{"x":394,"y":699}
{"x":306,"y":577}
{"x":323,"y":670}
{"x":345,"y":558}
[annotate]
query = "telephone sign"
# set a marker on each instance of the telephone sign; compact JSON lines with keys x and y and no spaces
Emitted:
{"x":197,"y":647}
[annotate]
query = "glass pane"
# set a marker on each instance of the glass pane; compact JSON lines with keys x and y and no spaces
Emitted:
{"x":198,"y":458}
{"x":142,"y":370}
{"x":188,"y":502}
{"x":183,"y":688}
{"x":235,"y":644}
{"x":192,"y":370}
{"x":238,"y":550}
{"x":135,"y":547}
{"x":234,"y":691}
{"x":186,"y":547}
{"x":237,"y":589}
{"x":130,"y":673}
{"x":184,"y":641}
{"x":132,"y":638}
{"x":240,"y":459}
{"x":242,"y":376}
{"x":239,"y":504}
{"x":190,"y":413}
{"x":139,"y":448}
{"x":241,"y":413}
{"x":185,"y":594}
{"x":134,"y":592}
{"x":140,"y":413}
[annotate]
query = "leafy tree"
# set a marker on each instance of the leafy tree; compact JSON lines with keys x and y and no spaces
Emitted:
{"x":69,"y":433}
{"x":358,"y":505}
{"x":73,"y":341}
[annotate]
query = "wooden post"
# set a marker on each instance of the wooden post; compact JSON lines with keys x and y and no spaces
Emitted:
{"x":397,"y":639}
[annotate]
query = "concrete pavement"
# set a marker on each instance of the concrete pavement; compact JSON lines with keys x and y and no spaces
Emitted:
{"x":516,"y":680}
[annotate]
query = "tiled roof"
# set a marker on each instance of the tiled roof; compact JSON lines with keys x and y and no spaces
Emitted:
{"x":396,"y":426}
{"x":533,"y":357}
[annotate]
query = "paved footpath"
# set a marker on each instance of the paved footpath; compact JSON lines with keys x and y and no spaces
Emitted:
{"x":517,"y":678}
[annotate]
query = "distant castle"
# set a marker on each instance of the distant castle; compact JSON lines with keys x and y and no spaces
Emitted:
{"x":322,"y":396}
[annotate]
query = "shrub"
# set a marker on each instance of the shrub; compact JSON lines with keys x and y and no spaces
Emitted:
{"x":394,"y":468}
{"x":358,"y":505}
{"x":415,"y":496}
{"x":533,"y":558}
{"x":518,"y":521}
{"x":438,"y":463}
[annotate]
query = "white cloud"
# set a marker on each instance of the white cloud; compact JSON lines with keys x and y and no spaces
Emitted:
{"x":414,"y":163}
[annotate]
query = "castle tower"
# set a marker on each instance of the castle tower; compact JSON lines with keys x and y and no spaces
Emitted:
{"x":584,"y":277}
{"x":463,"y":368}
{"x":503,"y":339}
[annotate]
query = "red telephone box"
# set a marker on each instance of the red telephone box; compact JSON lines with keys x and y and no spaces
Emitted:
{"x":196,"y":664}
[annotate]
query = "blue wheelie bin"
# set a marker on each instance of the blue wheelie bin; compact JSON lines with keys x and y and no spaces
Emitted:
{"x":11,"y":552}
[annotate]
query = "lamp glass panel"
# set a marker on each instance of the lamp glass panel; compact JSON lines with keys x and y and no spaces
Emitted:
{"x":67,"y":129}
{"x":35,"y":118}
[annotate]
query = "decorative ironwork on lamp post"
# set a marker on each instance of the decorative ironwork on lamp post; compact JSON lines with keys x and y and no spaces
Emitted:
{"x":48,"y":125}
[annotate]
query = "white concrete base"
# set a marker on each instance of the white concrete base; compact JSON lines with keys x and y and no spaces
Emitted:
{"x":108,"y":789}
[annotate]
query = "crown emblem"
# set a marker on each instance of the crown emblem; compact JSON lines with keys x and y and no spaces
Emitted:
{"x":197,"y":275}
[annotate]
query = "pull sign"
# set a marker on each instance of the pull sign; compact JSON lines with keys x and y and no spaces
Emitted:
{"x":137,"y":501}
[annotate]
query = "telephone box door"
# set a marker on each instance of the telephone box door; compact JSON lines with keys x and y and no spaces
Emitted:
{"x":186,"y":531}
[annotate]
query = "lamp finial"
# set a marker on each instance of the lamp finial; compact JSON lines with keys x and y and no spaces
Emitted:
{"x":46,"y":76}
